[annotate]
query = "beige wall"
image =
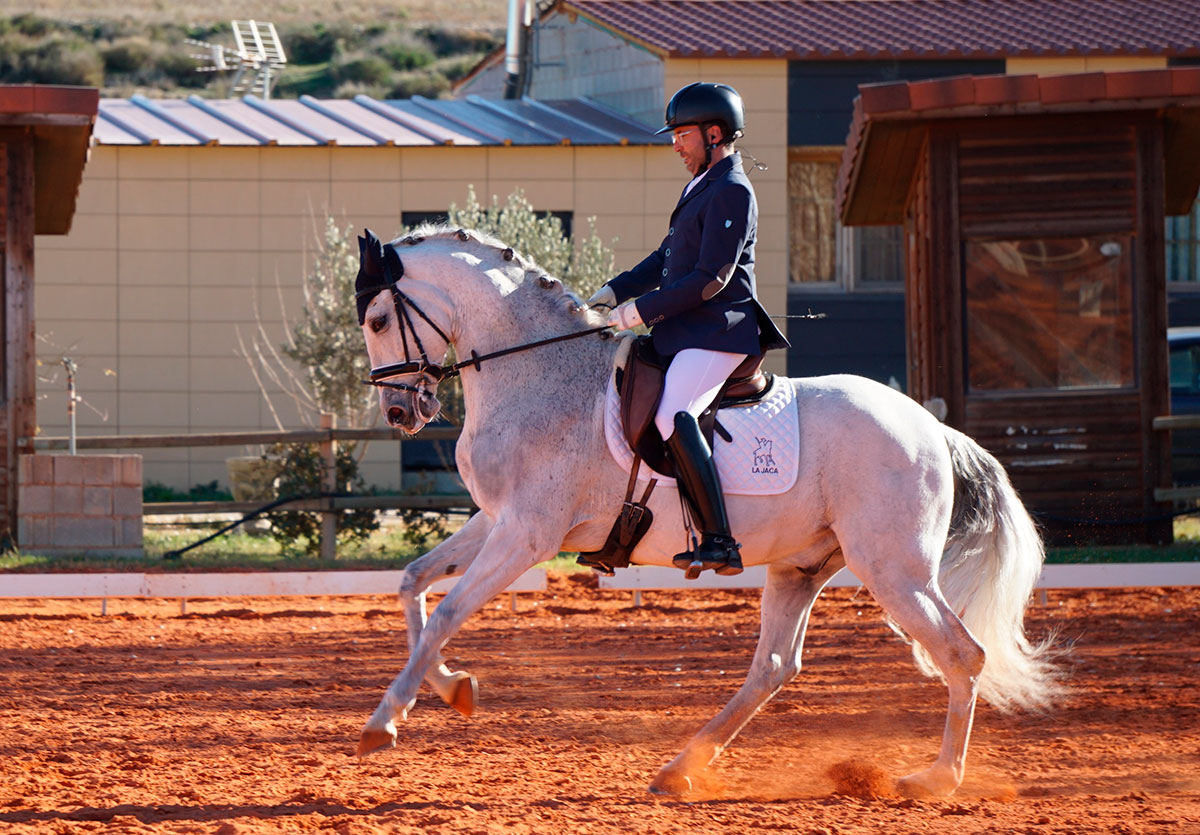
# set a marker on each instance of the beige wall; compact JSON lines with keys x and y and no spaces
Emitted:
{"x":1099,"y":63}
{"x":173,"y":249}
{"x":763,"y":86}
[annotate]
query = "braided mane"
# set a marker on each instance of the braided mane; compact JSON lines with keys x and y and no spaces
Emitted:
{"x":494,"y":252}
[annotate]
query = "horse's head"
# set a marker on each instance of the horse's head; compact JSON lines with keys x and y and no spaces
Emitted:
{"x":405,"y":343}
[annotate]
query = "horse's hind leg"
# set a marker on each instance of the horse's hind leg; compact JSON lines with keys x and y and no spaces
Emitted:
{"x":786,"y":603}
{"x":449,"y":559}
{"x":908,"y":592}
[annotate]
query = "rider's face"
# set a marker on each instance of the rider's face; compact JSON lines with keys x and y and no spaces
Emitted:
{"x":688,"y":141}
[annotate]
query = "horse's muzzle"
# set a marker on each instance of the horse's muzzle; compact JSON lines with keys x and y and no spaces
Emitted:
{"x":408,"y":411}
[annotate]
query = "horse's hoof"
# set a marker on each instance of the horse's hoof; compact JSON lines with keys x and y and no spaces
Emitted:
{"x":669,"y":784}
{"x":464,"y":694}
{"x":373,"y":740}
{"x":926,"y":784}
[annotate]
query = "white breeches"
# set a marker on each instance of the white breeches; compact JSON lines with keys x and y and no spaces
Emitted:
{"x":693,"y":379}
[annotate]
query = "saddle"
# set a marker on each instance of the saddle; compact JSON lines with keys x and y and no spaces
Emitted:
{"x":639,"y":384}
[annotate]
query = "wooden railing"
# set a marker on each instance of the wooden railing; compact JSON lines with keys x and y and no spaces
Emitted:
{"x":326,"y":438}
{"x":1166,"y":423}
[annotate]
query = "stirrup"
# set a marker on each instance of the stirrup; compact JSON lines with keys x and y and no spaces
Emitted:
{"x":717,"y":552}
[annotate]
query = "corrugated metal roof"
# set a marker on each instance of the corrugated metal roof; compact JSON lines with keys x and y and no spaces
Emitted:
{"x":363,"y":121}
{"x":909,"y":29}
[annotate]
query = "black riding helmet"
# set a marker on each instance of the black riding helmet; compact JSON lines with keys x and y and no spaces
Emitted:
{"x":701,"y":103}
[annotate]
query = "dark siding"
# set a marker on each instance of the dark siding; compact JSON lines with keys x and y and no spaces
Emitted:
{"x":860,"y":334}
{"x":1183,"y":309}
{"x":821,"y":93}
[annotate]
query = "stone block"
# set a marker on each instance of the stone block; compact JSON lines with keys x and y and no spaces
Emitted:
{"x":68,"y":469}
{"x":83,"y":532}
{"x":43,"y":469}
{"x":68,"y":499}
{"x":131,"y":471}
{"x":99,"y":469}
{"x":25,"y":530}
{"x":34,"y":499}
{"x":127,"y":501}
{"x":129,"y":532}
{"x":97,"y":501}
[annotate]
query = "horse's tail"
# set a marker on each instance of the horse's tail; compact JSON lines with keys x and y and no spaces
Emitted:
{"x":992,"y":561}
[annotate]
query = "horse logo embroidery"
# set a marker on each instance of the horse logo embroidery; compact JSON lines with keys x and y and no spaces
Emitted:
{"x":764,"y":461}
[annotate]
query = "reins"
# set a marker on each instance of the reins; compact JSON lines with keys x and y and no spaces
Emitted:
{"x":439,"y":372}
{"x":402,"y":302}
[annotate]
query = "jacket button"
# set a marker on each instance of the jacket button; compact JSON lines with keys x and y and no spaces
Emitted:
{"x":668,"y":252}
{"x":671,"y":231}
{"x":664,"y":273}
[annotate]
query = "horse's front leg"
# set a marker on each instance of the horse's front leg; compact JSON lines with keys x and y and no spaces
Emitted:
{"x":787,"y":599}
{"x":449,"y":559}
{"x":512,"y":546}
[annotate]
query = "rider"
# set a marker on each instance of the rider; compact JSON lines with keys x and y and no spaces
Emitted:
{"x":697,"y":294}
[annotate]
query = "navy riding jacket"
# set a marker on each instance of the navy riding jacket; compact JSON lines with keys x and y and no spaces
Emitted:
{"x":697,"y":289}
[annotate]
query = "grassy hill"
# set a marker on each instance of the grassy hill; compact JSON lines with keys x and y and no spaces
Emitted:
{"x":389,"y":57}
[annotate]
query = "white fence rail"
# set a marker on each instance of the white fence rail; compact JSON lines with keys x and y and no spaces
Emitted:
{"x":230,"y":584}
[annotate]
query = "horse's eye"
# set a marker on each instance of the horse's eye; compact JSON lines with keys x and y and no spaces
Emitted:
{"x":378,"y":323}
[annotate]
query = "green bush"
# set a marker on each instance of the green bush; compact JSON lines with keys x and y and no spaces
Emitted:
{"x":419,"y":83}
{"x":154,"y":491}
{"x":361,"y":69}
{"x":403,"y":51}
{"x":312,"y":45}
{"x":64,"y":59}
{"x":127,"y":55}
{"x":304,"y":475}
{"x":457,"y":41}
{"x":181,"y":69}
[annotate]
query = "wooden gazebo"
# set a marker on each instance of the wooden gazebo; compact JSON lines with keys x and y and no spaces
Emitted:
{"x":1035,"y":292}
{"x":44,"y":137}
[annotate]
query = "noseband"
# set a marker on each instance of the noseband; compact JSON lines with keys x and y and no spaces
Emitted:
{"x":393,"y":271}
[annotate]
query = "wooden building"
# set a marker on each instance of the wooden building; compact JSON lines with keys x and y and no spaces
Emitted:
{"x":44,"y":136}
{"x":1033,"y":209}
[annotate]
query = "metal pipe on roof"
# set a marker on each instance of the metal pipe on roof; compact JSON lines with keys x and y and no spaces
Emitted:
{"x":158,"y":112}
{"x":264,"y":107}
{"x":329,"y":113}
{"x":422,"y":127}
{"x":127,"y":127}
{"x":426,"y":105}
{"x":509,"y":115}
{"x":516,"y":47}
{"x":217,"y":113}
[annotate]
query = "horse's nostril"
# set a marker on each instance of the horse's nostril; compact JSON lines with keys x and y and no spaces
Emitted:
{"x":395,"y":414}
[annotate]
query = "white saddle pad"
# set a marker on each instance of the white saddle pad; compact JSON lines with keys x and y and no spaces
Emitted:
{"x":762,"y":460}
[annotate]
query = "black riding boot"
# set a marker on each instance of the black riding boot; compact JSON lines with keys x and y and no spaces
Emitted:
{"x":696,"y":474}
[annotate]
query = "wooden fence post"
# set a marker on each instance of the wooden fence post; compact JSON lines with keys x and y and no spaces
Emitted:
{"x":329,"y":485}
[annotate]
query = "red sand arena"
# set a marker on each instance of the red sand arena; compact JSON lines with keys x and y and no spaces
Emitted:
{"x":241,"y":717}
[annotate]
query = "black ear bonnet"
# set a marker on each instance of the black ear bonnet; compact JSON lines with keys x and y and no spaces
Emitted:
{"x":379,"y":267}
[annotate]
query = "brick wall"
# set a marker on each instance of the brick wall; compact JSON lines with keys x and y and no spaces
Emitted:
{"x":80,"y":504}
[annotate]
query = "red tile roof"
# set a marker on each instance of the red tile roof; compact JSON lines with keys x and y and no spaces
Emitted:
{"x":891,"y":113}
{"x":873,"y":29}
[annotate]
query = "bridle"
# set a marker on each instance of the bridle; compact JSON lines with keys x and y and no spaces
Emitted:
{"x":367,"y":286}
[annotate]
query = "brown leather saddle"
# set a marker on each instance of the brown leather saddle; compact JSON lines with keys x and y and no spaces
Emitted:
{"x":640,"y":386}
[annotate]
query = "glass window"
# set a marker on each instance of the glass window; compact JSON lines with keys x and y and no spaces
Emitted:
{"x":871,"y":257}
{"x":1051,"y":313}
{"x":1185,"y":368}
{"x":1183,"y":246}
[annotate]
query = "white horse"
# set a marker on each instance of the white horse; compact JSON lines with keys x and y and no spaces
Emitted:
{"x":925,"y":517}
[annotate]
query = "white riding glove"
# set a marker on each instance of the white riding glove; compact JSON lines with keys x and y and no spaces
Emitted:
{"x":625,"y":317}
{"x":605,"y":297}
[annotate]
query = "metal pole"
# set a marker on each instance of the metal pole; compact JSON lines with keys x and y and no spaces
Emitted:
{"x":69,"y":364}
{"x":329,"y":517}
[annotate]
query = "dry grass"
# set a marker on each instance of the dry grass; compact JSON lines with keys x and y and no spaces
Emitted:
{"x":489,"y":14}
